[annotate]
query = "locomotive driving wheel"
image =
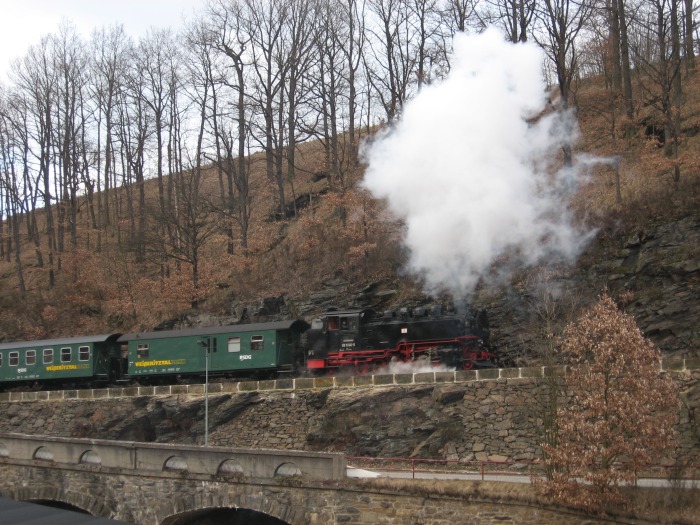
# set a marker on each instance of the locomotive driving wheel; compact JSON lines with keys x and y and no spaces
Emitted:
{"x":467,"y":365}
{"x":364,"y":369}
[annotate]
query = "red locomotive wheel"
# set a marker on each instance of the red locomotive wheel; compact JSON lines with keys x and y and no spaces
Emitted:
{"x":467,"y":365}
{"x":363,"y":369}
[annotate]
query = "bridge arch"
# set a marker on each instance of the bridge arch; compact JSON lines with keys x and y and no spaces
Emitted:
{"x":249,"y":502}
{"x":43,"y":454}
{"x":54,"y":495}
{"x":175,"y":463}
{"x":287,"y":470}
{"x":225,"y":515}
{"x":230,"y":466}
{"x":90,"y":457}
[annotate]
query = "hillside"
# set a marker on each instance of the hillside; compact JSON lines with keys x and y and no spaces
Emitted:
{"x":338,"y":246}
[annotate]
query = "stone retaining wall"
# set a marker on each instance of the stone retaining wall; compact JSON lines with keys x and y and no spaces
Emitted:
{"x":486,"y":415}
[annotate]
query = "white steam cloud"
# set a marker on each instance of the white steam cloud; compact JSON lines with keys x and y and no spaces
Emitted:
{"x":468,"y":168}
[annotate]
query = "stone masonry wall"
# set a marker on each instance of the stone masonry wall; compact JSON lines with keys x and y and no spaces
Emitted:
{"x":486,"y":415}
{"x":154,"y":500}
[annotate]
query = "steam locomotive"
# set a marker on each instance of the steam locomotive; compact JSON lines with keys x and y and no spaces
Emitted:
{"x":358,"y":341}
{"x":363,"y":340}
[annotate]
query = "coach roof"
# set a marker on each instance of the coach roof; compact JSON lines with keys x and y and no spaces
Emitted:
{"x":82,"y":340}
{"x":296,"y":325}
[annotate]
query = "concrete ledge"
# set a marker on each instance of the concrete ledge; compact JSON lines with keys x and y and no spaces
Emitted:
{"x":324,"y":382}
{"x":444,"y":377}
{"x":513,"y":375}
{"x":151,"y":459}
{"x":424,"y":377}
{"x":510,"y":373}
{"x":344,"y":381}
{"x":284,"y":384}
{"x":463,"y":376}
{"x":532,"y":372}
{"x":489,"y":373}
{"x":693,"y":363}
{"x":265,"y":385}
{"x":403,"y":379}
{"x":364,"y":380}
{"x":384,"y":380}
{"x":303,"y":383}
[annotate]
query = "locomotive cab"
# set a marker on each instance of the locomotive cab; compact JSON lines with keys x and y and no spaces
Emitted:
{"x":335,"y":331}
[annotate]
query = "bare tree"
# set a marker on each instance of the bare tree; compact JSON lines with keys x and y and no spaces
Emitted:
{"x":35,"y":77}
{"x":110,"y":48}
{"x":390,"y":56}
{"x":14,"y":152}
{"x":688,"y":31}
{"x":563,"y":21}
{"x":135,"y":130}
{"x":70,"y":63}
{"x":264,"y":23}
{"x":353,"y":47}
{"x":222,"y":42}
{"x":457,"y":14}
{"x":659,"y":55}
{"x":517,"y":17}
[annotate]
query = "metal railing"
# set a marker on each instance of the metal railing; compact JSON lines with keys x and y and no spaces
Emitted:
{"x":484,"y":469}
{"x":454,"y":467}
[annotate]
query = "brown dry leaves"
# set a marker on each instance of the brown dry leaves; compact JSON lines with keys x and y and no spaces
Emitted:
{"x":620,"y":415}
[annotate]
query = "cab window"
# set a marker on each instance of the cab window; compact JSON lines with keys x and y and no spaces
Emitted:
{"x":47,"y":356}
{"x":30,"y":357}
{"x":66,"y":354}
{"x":234,"y":344}
{"x":256,"y":342}
{"x":142,"y":351}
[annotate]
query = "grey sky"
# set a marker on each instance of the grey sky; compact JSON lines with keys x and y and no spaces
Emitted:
{"x":24,"y":22}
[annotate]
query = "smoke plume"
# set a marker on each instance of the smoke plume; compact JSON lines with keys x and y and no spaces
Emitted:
{"x":469,"y":169}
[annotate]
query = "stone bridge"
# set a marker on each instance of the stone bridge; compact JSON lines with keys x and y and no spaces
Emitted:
{"x":161,"y":484}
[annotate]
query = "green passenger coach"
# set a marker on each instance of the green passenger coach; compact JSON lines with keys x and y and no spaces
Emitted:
{"x":72,"y":359}
{"x":272,"y":347}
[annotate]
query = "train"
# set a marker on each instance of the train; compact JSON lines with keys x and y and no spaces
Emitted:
{"x":355,"y":340}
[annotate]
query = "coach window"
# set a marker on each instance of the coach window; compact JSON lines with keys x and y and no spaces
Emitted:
{"x":84,"y":353}
{"x":30,"y":357}
{"x":142,"y":351}
{"x":14,"y":358}
{"x":234,"y":344}
{"x":66,"y":354}
{"x":48,"y":356}
{"x":256,"y":342}
{"x":0,"y":359}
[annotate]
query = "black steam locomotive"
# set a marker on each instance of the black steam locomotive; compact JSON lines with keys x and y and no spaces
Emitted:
{"x":363,"y":340}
